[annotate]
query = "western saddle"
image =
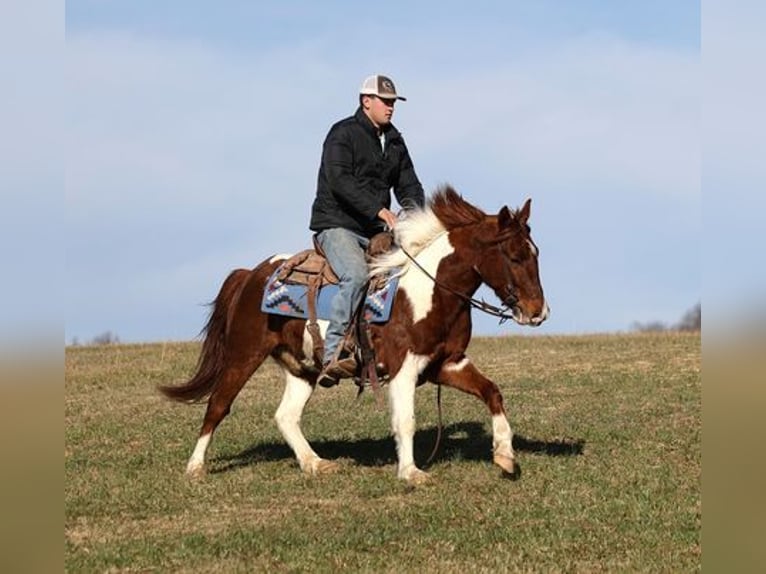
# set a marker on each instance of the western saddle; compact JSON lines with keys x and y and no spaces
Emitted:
{"x":311,"y":268}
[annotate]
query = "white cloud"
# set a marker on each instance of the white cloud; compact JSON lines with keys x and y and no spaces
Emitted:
{"x":198,"y":124}
{"x":599,"y":111}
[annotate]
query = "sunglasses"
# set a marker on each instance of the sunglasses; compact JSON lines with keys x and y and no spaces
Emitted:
{"x":387,"y":101}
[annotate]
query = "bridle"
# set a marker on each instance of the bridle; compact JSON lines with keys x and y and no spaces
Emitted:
{"x":481,"y":305}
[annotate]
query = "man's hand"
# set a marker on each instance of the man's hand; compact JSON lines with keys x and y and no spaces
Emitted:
{"x":388,"y":216}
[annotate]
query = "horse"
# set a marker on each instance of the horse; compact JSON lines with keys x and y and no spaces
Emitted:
{"x":442,"y":254}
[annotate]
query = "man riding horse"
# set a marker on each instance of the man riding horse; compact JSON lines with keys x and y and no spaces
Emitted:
{"x":446,"y":249}
{"x":363,"y":157}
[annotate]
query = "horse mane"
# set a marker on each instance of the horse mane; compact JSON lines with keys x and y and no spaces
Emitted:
{"x":446,"y":209}
{"x":452,"y":210}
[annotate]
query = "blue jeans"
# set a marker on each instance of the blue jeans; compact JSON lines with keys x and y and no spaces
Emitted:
{"x":344,"y":250}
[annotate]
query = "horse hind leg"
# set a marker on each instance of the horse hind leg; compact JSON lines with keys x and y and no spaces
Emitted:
{"x":463,"y":375}
{"x":288,"y":417}
{"x":232,"y":379}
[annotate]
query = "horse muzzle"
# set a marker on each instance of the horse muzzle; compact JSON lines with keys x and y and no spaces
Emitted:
{"x":534,"y":320}
{"x":538,"y":319}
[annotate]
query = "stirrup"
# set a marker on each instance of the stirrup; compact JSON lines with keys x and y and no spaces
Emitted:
{"x":338,"y":369}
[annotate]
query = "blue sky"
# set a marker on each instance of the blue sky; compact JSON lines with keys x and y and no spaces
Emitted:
{"x":193,"y":137}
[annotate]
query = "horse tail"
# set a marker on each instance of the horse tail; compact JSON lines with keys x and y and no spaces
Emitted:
{"x":212,"y":355}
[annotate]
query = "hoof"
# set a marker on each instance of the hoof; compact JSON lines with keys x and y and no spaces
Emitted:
{"x":508,"y":464}
{"x":415,"y":477}
{"x":326,"y":467}
{"x":195,"y":472}
{"x":321,"y":466}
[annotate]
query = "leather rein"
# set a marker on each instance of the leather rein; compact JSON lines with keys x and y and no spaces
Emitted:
{"x":481,"y":305}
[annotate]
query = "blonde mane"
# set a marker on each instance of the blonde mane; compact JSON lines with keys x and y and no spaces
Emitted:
{"x":414,"y":232}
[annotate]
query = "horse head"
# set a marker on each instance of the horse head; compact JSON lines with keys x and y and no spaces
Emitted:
{"x":509,"y":266}
{"x":500,"y":251}
{"x":507,"y":263}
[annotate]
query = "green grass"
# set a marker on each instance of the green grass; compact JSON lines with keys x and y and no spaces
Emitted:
{"x":608,"y":436}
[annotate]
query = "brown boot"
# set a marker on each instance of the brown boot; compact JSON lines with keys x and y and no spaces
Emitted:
{"x":334,"y":371}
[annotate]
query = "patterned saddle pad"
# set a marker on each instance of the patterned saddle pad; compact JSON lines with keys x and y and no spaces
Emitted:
{"x":289,"y":299}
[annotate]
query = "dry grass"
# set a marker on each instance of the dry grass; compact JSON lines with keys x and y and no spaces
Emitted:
{"x":608,"y":433}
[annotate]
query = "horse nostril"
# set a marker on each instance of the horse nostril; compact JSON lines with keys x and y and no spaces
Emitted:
{"x":538,"y":319}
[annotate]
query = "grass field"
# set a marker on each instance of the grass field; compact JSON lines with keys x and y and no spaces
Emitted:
{"x":607,"y":433}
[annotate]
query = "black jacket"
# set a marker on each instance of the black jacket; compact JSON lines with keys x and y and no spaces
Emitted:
{"x":356,"y":176}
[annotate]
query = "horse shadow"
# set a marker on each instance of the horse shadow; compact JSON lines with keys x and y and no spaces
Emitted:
{"x":468,"y":441}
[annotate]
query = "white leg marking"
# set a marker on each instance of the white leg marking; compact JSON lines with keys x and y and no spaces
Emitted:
{"x":419,"y":288}
{"x":402,"y":398}
{"x":502,"y":439}
{"x":288,"y":419}
{"x":459,"y":366}
{"x":197,"y":461}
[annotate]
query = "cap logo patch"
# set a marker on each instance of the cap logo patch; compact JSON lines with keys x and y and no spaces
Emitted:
{"x":387,"y":86}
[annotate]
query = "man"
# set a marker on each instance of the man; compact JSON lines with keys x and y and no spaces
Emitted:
{"x":363,"y":158}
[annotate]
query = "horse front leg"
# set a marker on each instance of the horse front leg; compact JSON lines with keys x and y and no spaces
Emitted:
{"x":401,"y":392}
{"x":288,"y":418}
{"x":463,"y":375}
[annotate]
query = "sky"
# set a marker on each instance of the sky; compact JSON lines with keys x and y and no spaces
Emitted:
{"x":189,"y":138}
{"x":193,"y":138}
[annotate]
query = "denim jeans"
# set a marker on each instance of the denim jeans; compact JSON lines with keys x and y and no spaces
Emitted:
{"x":344,"y":250}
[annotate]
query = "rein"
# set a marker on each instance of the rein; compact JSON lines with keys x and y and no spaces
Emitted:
{"x":481,"y":305}
{"x":439,"y":428}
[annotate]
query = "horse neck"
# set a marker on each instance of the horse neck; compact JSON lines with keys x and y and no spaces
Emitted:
{"x":458,"y":275}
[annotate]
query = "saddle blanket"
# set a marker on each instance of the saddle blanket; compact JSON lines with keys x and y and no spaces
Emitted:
{"x":289,"y":299}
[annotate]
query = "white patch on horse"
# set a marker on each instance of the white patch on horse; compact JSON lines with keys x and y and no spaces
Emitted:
{"x":533,"y":248}
{"x":288,"y":419}
{"x":459,"y":366}
{"x":197,"y":460}
{"x":423,"y":236}
{"x":280,"y":257}
{"x":401,"y":392}
{"x":419,"y":288}
{"x":502,"y":437}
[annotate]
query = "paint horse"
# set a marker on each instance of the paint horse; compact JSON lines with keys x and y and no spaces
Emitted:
{"x":445,"y":252}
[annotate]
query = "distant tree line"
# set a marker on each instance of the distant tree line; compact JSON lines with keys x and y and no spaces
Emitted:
{"x":690,"y":321}
{"x":105,"y":338}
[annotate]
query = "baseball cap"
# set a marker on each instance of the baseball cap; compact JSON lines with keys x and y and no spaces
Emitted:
{"x":381,"y":86}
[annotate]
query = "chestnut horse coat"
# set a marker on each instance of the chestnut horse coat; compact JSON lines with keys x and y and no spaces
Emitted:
{"x":457,"y":247}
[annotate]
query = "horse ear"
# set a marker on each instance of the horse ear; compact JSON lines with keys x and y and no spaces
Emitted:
{"x":504,"y":218}
{"x":524,"y":212}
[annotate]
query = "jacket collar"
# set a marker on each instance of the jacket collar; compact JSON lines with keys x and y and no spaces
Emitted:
{"x":390,"y":131}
